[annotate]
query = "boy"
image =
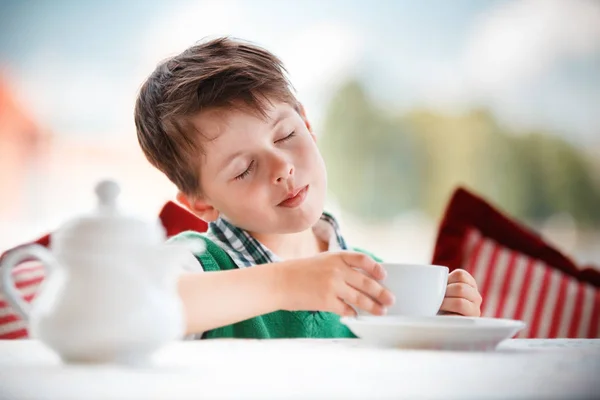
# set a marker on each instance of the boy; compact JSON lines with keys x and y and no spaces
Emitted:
{"x":221,"y":121}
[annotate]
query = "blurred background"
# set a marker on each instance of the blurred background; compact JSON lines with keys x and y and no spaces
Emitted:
{"x":409,"y":99}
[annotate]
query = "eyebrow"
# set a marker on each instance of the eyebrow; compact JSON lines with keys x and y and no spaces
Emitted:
{"x":281,"y":115}
{"x":229,"y":159}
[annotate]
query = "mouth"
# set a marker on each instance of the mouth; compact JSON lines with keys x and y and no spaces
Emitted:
{"x":294,"y":198}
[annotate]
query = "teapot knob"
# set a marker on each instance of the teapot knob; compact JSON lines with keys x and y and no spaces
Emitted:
{"x":107,"y":192}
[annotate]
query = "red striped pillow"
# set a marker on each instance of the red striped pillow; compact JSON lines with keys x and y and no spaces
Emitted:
{"x":516,"y":286}
{"x":519,"y":275}
{"x":27,"y":276}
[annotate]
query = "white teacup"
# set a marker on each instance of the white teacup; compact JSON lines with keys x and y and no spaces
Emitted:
{"x":419,"y":288}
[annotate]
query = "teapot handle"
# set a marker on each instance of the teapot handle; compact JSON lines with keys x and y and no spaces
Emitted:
{"x":14,"y":258}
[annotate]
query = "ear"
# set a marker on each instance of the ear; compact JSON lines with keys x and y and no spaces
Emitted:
{"x":302,"y":113}
{"x":199,"y":207}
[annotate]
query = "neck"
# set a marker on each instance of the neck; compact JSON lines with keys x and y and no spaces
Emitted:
{"x":292,"y":245}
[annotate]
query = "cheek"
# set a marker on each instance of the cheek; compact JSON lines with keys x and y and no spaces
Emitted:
{"x":246,"y":213}
{"x":252,"y":194}
{"x":307,"y":152}
{"x":310,"y":159}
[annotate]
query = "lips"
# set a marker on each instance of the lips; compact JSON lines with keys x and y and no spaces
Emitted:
{"x":295,"y":198}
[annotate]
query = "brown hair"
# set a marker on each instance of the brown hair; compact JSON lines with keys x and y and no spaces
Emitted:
{"x":220,"y":73}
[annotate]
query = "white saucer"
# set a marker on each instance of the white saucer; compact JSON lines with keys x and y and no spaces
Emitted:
{"x":437,"y":332}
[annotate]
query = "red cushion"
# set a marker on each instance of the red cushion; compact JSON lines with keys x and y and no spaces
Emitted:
{"x":29,"y":275}
{"x":519,"y":275}
{"x":177,"y":219}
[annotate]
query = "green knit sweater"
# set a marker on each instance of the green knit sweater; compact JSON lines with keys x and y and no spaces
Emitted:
{"x":278,"y":324}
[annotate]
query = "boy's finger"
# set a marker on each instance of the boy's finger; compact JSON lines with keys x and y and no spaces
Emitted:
{"x":463,"y":290}
{"x":460,"y":275}
{"x":342,"y":309}
{"x":360,"y":300}
{"x":367,"y":285}
{"x":364,"y":262}
{"x":460,"y":306}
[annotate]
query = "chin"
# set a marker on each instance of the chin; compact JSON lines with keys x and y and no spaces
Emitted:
{"x":302,"y":218}
{"x":302,"y":223}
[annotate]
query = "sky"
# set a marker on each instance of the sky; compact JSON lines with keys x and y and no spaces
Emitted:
{"x":534,"y":63}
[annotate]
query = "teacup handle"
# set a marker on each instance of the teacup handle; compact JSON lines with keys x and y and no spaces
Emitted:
{"x":14,"y":258}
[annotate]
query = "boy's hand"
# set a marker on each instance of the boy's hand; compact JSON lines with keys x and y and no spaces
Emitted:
{"x":462,"y":296}
{"x":331,"y":282}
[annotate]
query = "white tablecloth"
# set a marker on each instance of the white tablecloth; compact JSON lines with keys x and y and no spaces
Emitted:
{"x":303,"y":369}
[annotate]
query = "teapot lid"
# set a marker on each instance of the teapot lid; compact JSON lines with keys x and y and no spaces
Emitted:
{"x":107,"y":228}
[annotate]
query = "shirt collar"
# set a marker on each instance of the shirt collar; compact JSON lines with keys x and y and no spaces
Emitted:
{"x":246,"y":251}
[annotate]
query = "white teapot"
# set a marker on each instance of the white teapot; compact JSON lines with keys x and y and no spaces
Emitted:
{"x":110,"y":292}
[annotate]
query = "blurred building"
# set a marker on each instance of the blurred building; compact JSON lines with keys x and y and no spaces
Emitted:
{"x":23,"y":144}
{"x":47,"y":179}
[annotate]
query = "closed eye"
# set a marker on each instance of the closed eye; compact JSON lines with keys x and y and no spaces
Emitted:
{"x":246,"y":172}
{"x":288,"y":137}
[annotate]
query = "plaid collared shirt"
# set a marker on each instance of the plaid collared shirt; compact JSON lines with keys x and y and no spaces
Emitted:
{"x":246,"y":251}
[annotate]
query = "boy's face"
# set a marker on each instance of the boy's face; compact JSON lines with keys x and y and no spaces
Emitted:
{"x":265,"y":175}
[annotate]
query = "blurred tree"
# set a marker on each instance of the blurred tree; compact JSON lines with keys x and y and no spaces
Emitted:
{"x":453,"y":150}
{"x":374,"y":163}
{"x":380,"y":165}
{"x":556,"y":177}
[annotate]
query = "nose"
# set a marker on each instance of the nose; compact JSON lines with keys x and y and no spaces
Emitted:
{"x":282,"y":169}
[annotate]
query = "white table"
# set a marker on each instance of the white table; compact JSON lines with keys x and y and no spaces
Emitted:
{"x":303,"y":369}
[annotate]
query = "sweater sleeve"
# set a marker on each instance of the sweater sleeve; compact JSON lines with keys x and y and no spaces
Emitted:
{"x":204,"y":255}
{"x":194,"y":243}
